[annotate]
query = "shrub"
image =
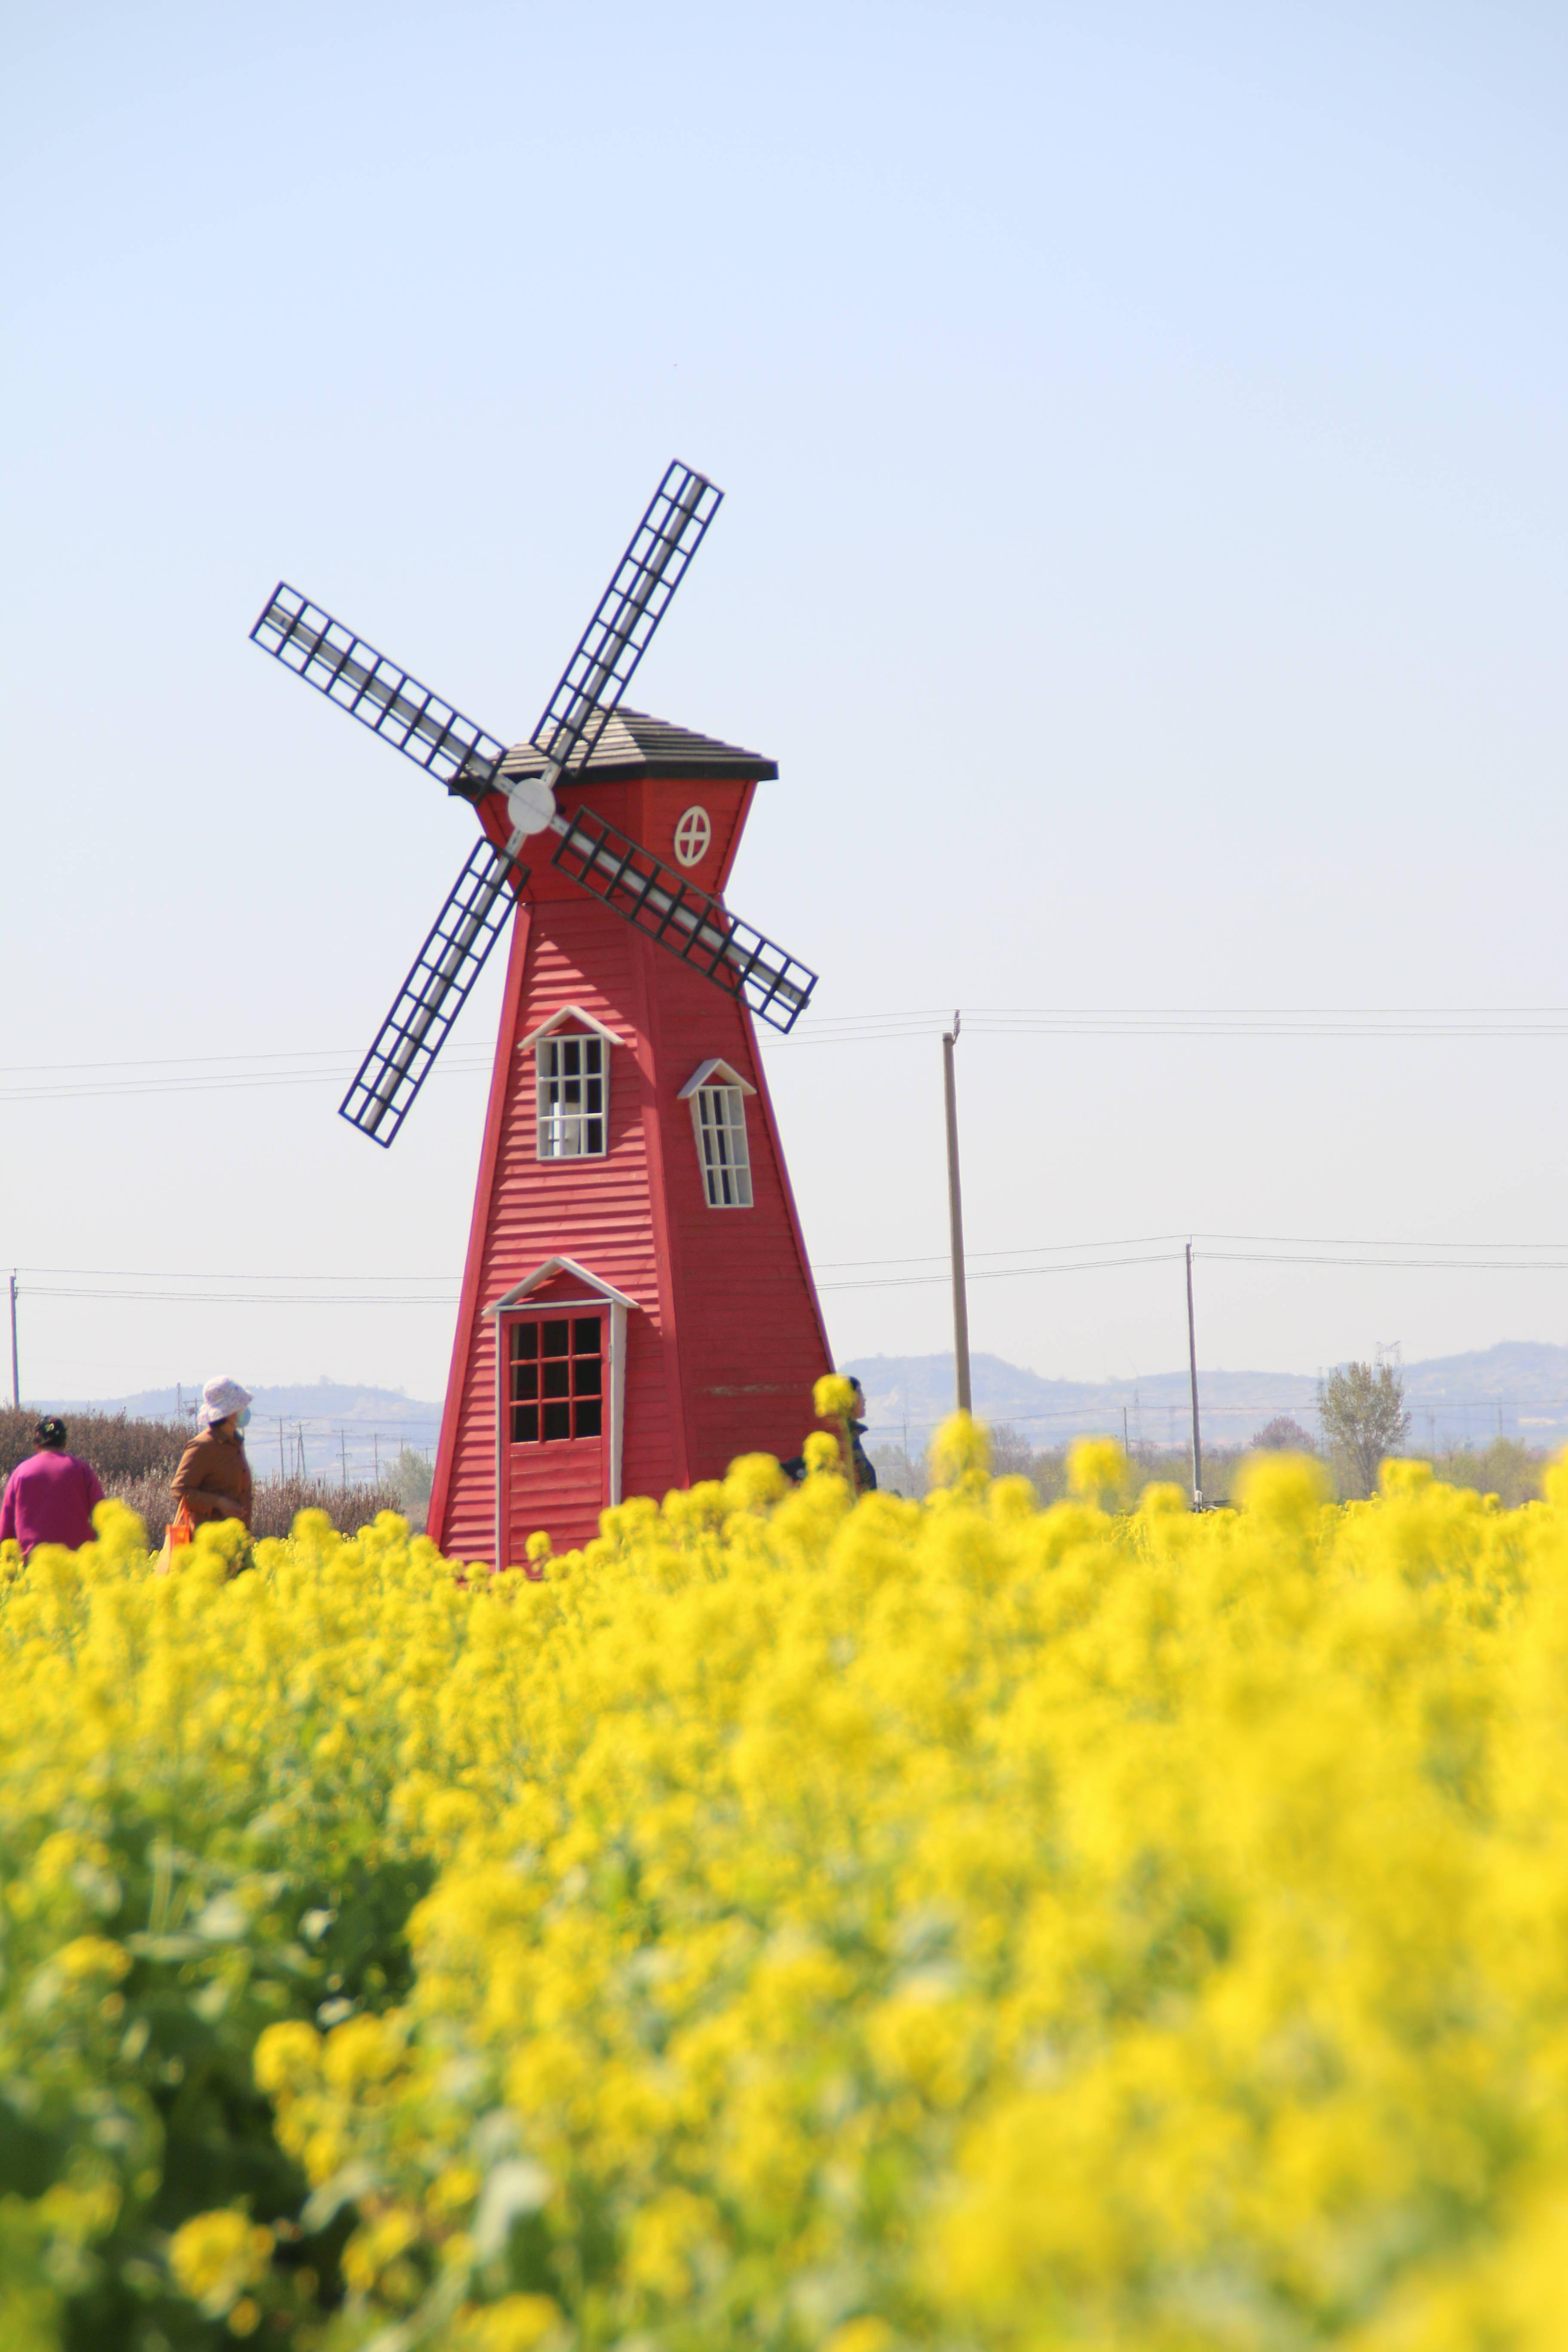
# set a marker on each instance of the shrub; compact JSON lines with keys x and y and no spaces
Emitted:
{"x":1283,"y":1434}
{"x":118,"y":1449}
{"x":1504,"y":1468}
{"x":276,"y":1503}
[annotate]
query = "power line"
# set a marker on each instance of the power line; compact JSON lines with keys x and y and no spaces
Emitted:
{"x":191,"y":1061}
{"x":447,"y":1301}
{"x":1234,"y":1257}
{"x":172,"y":1061}
{"x":243,"y":1297}
{"x":1015,"y":1249}
{"x":455,"y":1064}
{"x":1377,"y":1241}
{"x":184,"y":1273}
{"x":1000,"y":1272}
{"x":1139,"y":1241}
{"x":1412,"y":1265}
{"x":1267,"y":1021}
{"x":321,"y":1065}
{"x":861,"y":1274}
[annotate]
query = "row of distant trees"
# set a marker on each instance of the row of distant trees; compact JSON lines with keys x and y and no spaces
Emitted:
{"x":1360,"y":1410}
{"x":1362,"y":1418}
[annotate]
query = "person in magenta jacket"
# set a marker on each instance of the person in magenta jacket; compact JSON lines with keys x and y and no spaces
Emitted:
{"x":49,"y":1496}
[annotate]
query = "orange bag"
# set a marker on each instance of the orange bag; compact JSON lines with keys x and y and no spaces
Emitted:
{"x":180,"y":1528}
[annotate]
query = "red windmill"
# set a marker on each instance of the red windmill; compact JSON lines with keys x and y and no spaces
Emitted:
{"x":638,"y":1307}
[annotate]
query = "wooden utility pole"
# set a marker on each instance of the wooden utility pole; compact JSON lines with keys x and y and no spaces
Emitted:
{"x":1192,"y":1367}
{"x":15,"y":1372}
{"x":956,"y":1223}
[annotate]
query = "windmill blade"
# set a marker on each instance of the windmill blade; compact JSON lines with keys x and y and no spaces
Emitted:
{"x":433,"y":995}
{"x":373,"y":690}
{"x":629,"y":611}
{"x":693,"y":926}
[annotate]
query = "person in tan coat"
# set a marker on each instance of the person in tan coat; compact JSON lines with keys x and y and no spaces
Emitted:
{"x":213,"y":1477}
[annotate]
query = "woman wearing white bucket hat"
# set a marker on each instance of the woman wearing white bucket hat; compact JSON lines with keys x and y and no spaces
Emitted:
{"x":213,"y":1481}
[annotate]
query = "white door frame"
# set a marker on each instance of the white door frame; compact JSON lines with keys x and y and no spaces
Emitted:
{"x":522,"y":1295}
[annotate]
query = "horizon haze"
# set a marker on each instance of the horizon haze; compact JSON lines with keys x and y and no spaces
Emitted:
{"x":1516,"y":1390}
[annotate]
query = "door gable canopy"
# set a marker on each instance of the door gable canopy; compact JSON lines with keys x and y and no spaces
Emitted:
{"x":554,"y":1279}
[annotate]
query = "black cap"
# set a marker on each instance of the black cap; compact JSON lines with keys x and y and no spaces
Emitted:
{"x":51,"y":1429}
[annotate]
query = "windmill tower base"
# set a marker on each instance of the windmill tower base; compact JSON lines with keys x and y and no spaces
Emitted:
{"x":638,"y":1307}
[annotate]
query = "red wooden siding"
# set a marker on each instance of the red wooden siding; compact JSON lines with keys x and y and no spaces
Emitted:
{"x":596,"y":1211}
{"x":751,"y":1339}
{"x":468,"y":1339}
{"x":725,"y":1339}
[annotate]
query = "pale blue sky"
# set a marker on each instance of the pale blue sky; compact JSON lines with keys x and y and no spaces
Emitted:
{"x":1144,"y":554}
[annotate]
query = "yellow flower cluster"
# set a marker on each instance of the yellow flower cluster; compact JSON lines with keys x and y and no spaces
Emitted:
{"x":216,"y":2256}
{"x":808,"y":1925}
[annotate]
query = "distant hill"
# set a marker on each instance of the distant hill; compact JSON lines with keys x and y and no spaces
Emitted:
{"x":1520,"y":1387}
{"x":328,"y":1428}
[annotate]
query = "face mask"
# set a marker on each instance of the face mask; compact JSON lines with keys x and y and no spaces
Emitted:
{"x":242,"y":1418}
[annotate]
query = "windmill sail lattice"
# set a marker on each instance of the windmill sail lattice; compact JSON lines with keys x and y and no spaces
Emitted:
{"x":629,"y":611}
{"x":606,"y":864}
{"x":433,"y":995}
{"x":642,"y":889}
{"x":373,"y":690}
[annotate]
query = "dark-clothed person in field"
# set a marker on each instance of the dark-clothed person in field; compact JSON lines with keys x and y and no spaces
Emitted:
{"x":49,"y":1496}
{"x":213,"y":1477}
{"x":865,"y":1468}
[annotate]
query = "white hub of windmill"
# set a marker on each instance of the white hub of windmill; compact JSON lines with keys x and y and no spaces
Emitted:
{"x":531,"y":804}
{"x":692,"y":834}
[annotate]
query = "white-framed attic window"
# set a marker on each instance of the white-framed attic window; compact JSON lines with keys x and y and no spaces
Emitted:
{"x":718,"y":1097}
{"x":572,"y":1084}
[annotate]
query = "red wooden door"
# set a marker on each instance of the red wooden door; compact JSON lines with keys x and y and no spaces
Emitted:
{"x":554,"y":1441}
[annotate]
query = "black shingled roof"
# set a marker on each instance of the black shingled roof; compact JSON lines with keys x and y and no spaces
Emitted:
{"x":634,"y":744}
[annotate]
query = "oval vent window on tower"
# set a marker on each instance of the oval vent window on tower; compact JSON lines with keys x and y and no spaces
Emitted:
{"x":692,"y":834}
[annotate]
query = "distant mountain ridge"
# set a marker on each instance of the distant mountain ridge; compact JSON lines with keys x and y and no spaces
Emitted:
{"x":322,"y":1400}
{"x":1519,"y":1388}
{"x":329,"y":1428}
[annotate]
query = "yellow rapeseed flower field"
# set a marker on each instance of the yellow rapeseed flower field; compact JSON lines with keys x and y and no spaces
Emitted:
{"x":797,"y":1926}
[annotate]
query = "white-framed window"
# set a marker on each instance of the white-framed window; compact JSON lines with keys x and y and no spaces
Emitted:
{"x":719,"y":1117}
{"x":573,"y":1079}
